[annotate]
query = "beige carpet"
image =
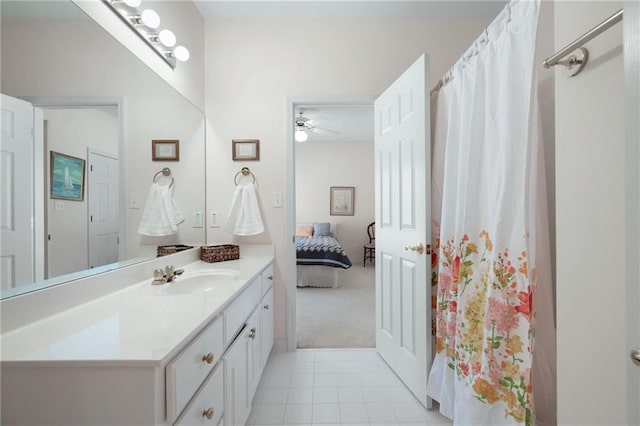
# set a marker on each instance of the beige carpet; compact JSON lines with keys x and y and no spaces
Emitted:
{"x":342,"y":317}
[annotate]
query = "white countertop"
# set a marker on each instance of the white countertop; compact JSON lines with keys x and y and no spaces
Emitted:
{"x":141,"y":324}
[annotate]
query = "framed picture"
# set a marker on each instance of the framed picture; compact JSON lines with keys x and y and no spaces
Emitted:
{"x":165,"y":150}
{"x":67,"y":177}
{"x":342,"y":201}
{"x":246,"y":149}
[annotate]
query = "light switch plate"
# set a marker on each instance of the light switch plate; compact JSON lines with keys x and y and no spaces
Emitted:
{"x":276,"y":199}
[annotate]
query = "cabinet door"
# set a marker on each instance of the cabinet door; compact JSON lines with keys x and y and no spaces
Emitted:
{"x":237,"y":403}
{"x":255,"y":350}
{"x":266,"y":306}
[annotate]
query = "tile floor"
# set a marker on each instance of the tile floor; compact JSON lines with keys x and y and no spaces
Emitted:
{"x":335,"y":386}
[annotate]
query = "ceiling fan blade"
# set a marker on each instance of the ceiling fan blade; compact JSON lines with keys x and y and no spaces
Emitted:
{"x":322,"y":131}
{"x":317,"y":120}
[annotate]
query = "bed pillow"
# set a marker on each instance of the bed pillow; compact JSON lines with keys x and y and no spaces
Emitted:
{"x":320,"y":229}
{"x":304,"y":231}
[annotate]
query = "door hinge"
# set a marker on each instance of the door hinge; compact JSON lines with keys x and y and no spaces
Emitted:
{"x":49,"y":237}
{"x":91,"y":218}
{"x":92,"y":167}
{"x":428,"y":248}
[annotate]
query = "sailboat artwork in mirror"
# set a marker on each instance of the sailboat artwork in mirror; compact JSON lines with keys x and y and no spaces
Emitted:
{"x":90,"y":103}
{"x":67,"y":177}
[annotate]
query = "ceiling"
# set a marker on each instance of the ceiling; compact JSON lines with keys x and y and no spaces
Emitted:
{"x":352,"y":123}
{"x":349,"y":8}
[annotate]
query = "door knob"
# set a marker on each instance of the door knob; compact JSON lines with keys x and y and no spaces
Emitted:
{"x":635,"y":356}
{"x":420,"y":248}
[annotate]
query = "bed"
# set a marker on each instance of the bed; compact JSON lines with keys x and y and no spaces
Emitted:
{"x":320,"y":258}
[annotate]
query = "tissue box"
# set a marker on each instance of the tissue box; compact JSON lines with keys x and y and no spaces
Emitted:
{"x":219,"y":253}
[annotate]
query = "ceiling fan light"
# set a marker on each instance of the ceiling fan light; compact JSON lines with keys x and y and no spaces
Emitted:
{"x":150,"y":18}
{"x":300,"y":135}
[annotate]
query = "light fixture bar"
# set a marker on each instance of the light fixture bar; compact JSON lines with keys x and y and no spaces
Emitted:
{"x":147,"y":35}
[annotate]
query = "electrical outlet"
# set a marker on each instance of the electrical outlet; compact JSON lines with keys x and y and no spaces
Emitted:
{"x":134,"y":200}
{"x":59,"y":206}
{"x":197,"y":219}
{"x":214,"y":220}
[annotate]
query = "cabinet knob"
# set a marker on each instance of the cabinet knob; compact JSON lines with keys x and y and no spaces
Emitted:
{"x":208,"y":413}
{"x":270,"y":277}
{"x":266,"y":307}
{"x":208,"y":358}
{"x":252,"y":335}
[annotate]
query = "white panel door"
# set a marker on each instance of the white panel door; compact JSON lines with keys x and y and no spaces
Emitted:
{"x":402,"y":170}
{"x":103,"y":195}
{"x":16,"y":193}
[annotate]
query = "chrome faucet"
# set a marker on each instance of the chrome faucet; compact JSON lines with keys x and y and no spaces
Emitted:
{"x":166,"y":275}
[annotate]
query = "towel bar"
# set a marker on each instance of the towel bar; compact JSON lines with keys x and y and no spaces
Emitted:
{"x":244,"y":172}
{"x":164,"y":172}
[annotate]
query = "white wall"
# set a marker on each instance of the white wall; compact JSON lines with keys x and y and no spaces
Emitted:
{"x":78,"y":58}
{"x":322,"y":165}
{"x":71,"y":132}
{"x":253,"y":65}
{"x":591,"y":230}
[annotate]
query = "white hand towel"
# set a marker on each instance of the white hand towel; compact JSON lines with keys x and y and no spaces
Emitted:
{"x":160,"y":216}
{"x":244,"y":217}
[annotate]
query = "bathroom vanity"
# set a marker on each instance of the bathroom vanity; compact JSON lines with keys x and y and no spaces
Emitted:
{"x":191,"y":351}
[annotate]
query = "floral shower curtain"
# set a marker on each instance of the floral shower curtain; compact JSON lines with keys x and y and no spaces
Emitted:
{"x":489,"y":209}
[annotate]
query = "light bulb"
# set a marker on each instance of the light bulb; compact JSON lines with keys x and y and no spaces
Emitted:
{"x":181,"y":53}
{"x":150,"y":18}
{"x":301,"y":135}
{"x":132,"y":3}
{"x":167,"y":38}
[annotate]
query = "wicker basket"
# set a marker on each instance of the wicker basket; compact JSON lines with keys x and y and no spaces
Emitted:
{"x":165,"y":250}
{"x":219,"y":253}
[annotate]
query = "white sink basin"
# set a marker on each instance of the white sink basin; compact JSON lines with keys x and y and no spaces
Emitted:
{"x":197,"y":282}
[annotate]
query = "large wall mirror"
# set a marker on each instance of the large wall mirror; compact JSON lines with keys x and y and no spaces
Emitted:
{"x":97,"y":107}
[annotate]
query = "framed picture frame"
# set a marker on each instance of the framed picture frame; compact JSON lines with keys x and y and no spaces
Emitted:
{"x":245,"y":149}
{"x":165,"y":150}
{"x":342,"y":201}
{"x":66,"y":177}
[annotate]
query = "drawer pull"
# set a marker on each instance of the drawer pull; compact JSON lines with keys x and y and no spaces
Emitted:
{"x":266,"y":307}
{"x":252,"y":335}
{"x":208,"y":358}
{"x":208,"y":413}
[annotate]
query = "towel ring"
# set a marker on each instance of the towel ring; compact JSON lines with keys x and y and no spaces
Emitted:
{"x":164,"y":172}
{"x":244,"y":172}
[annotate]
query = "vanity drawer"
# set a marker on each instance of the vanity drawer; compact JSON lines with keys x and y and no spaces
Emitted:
{"x":267,"y":279}
{"x":188,"y":370}
{"x":208,"y":402}
{"x":237,"y":313}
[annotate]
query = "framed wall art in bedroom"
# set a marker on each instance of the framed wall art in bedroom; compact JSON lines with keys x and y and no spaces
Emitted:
{"x":342,"y":201}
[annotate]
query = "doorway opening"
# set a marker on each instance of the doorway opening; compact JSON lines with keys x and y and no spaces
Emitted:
{"x":332,"y":183}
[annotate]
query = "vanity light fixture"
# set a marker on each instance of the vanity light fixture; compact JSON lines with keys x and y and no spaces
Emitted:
{"x":150,"y":18}
{"x":181,"y":53}
{"x":132,"y":3}
{"x":146,"y":25}
{"x":167,"y":38}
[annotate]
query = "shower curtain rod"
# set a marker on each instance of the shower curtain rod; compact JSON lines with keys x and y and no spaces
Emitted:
{"x":580,"y":59}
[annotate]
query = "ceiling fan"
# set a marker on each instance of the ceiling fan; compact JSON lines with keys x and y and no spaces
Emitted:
{"x":304,"y":125}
